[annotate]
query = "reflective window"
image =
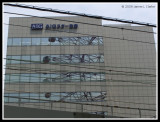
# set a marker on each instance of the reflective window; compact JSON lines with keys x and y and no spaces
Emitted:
{"x":102,"y":76}
{"x":95,"y":76}
{"x":55,"y":59}
{"x":58,"y":96}
{"x":84,"y":58}
{"x":74,"y":41}
{"x":24,"y":95}
{"x":34,"y":96}
{"x":66,"y":58}
{"x":15,"y":59}
{"x":75,"y":77}
{"x":14,"y":78}
{"x":83,"y":40}
{"x":8,"y":60}
{"x":36,"y":41}
{"x":9,"y":43}
{"x":75,"y":58}
{"x":35,"y":78}
{"x":25,"y":78}
{"x":25,"y":60}
{"x":45,"y":78}
{"x":55,"y":78}
{"x":94,"y":40}
{"x":26,"y":41}
{"x":86,"y":40}
{"x":64,"y":41}
{"x":86,"y":77}
{"x":35,"y":59}
{"x":13,"y":99}
{"x":6,"y":99}
{"x":55,"y":96}
{"x":56,"y":41}
{"x":45,"y":41}
{"x":96,"y":58}
{"x":100,"y":40}
{"x":16,"y":41}
{"x":7,"y":78}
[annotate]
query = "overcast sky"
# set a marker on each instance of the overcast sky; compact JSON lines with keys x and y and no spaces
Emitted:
{"x":146,"y":12}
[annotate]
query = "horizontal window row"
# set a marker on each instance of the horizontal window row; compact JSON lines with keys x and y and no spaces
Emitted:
{"x":55,"y":41}
{"x":71,"y":58}
{"x":56,"y":77}
{"x":56,"y":96}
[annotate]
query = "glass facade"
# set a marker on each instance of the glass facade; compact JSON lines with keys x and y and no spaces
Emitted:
{"x":54,"y":77}
{"x":55,"y":41}
{"x":66,"y":77}
{"x":66,"y":58}
{"x":56,"y":96}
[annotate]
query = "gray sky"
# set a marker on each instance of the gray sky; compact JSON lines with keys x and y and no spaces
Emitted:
{"x":146,"y":12}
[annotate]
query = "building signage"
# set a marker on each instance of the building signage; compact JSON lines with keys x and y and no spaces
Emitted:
{"x":39,"y":26}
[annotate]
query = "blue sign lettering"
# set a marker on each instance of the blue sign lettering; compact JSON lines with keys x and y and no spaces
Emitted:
{"x":38,"y":26}
{"x":70,"y":26}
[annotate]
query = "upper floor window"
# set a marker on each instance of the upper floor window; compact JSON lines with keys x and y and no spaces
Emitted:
{"x":9,"y":43}
{"x":26,"y":41}
{"x":16,"y":42}
{"x":36,"y":41}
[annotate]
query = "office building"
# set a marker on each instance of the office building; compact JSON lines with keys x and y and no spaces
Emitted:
{"x":66,"y":65}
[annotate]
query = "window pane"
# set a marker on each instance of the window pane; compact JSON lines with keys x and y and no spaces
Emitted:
{"x":101,"y":58}
{"x":7,"y":78}
{"x":97,"y":58}
{"x":11,"y":95}
{"x":100,"y":41}
{"x":66,"y":58}
{"x":35,"y":59}
{"x":14,"y":78}
{"x":55,"y":77}
{"x":64,"y":41}
{"x":83,"y":41}
{"x":75,"y":58}
{"x":26,"y":41}
{"x":55,"y":96}
{"x":102,"y":77}
{"x":57,"y":41}
{"x":43,"y":98}
{"x":24,"y":77}
{"x":24,"y":95}
{"x":75,"y":77}
{"x":26,"y":59}
{"x":16,"y":60}
{"x":16,"y":41}
{"x":6,"y":98}
{"x":36,"y":41}
{"x":7,"y":60}
{"x":95,"y":40}
{"x":13,"y":100}
{"x":74,"y":41}
{"x":45,"y":41}
{"x":34,"y":78}
{"x":45,"y":78}
{"x":88,"y":76}
{"x":84,"y":58}
{"x":34,"y":96}
{"x":55,"y":59}
{"x":9,"y":43}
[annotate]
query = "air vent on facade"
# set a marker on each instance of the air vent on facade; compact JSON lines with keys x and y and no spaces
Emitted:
{"x":52,"y":39}
{"x":47,"y":95}
{"x":46,"y":59}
